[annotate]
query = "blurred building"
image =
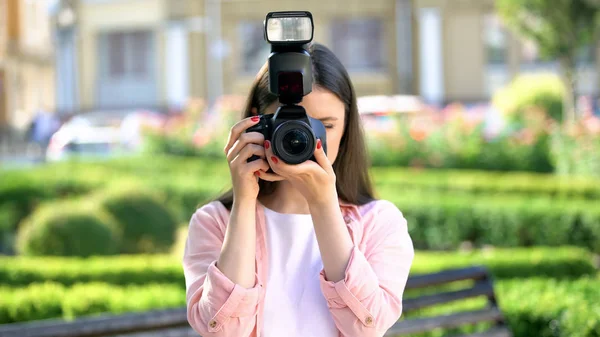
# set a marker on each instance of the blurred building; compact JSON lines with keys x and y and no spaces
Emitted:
{"x":26,"y":62}
{"x":157,"y":53}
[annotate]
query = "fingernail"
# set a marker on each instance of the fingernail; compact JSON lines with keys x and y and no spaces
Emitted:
{"x":267,"y":144}
{"x":274,"y":159}
{"x":318,"y":144}
{"x":255,"y":118}
{"x":257,"y":173}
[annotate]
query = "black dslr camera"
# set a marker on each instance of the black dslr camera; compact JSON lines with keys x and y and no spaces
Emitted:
{"x":293,"y":134}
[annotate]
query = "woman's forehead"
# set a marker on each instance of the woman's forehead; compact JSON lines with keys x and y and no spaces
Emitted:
{"x":322,"y":104}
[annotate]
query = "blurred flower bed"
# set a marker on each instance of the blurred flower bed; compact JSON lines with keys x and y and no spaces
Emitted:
{"x":528,"y":134}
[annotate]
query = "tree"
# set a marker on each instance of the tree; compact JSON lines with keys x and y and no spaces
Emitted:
{"x":560,"y":28}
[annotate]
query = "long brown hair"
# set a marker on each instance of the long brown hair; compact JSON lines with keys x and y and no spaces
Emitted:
{"x":351,"y":166}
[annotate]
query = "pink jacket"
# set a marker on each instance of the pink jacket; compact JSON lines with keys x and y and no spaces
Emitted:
{"x":366,"y":303}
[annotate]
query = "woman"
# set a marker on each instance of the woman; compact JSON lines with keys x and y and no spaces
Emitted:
{"x":298,"y":250}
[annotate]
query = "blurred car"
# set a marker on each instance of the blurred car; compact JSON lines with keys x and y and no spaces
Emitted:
{"x":101,"y":134}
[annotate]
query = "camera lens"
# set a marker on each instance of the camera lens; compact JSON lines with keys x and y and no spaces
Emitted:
{"x":295,"y":141}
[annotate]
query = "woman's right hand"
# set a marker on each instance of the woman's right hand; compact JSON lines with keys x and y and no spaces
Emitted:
{"x":240,"y":147}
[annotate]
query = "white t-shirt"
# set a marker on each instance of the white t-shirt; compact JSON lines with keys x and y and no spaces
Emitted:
{"x":294,"y":303}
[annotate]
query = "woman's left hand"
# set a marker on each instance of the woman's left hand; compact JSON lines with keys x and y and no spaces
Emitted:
{"x":314,"y":180}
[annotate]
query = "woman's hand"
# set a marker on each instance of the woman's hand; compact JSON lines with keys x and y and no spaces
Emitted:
{"x":314,"y":180}
{"x":240,"y":147}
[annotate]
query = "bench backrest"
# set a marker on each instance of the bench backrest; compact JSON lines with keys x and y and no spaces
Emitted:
{"x":482,"y":286}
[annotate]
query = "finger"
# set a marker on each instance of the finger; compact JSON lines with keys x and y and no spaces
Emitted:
{"x":321,"y":158}
{"x":245,"y":139}
{"x":270,"y":176}
{"x":248,"y":151}
{"x":237,"y":130}
{"x":257,"y":166}
{"x":276,"y":164}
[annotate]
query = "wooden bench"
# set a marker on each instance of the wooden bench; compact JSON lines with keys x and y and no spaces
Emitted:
{"x":482,"y":286}
{"x":173,"y":322}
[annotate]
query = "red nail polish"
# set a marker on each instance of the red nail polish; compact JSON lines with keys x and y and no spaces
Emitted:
{"x":255,"y":118}
{"x":318,"y":144}
{"x":274,"y":159}
{"x":257,"y":173}
{"x":267,"y":144}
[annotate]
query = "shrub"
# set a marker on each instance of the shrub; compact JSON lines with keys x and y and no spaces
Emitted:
{"x":147,"y":225}
{"x":445,"y":220}
{"x":52,"y":300}
{"x":118,"y":270}
{"x":544,"y":91}
{"x":506,"y":263}
{"x":68,"y":229}
{"x":532,"y":307}
{"x":519,"y":184}
{"x":22,"y":191}
{"x":576,"y":148}
{"x":141,"y":269}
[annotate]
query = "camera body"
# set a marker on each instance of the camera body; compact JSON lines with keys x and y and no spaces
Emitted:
{"x":292,"y":133}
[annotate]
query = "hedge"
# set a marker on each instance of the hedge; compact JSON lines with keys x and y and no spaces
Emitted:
{"x":147,"y":225}
{"x":533,"y":307}
{"x":487,"y":182}
{"x":506,"y":263}
{"x":142,"y":269}
{"x":68,"y":228}
{"x":54,"y":300}
{"x":445,"y":220}
{"x":444,"y":208}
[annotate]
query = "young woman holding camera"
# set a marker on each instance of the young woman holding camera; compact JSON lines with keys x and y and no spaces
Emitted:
{"x":298,"y":250}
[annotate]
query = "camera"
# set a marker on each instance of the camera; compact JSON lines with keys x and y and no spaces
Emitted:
{"x":292,"y":133}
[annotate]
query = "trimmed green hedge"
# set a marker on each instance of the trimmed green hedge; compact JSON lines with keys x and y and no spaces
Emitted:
{"x":444,"y":208}
{"x":68,"y":229}
{"x":444,"y":221}
{"x":146,"y":224}
{"x":142,"y":269}
{"x":506,"y":263}
{"x":487,"y":182}
{"x":53,"y":300}
{"x":118,"y":270}
{"x":533,"y":307}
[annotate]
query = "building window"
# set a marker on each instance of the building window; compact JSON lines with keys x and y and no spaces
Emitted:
{"x":358,"y":43}
{"x":495,"y":40}
{"x":254,"y":49}
{"x":128,"y":53}
{"x":496,"y":50}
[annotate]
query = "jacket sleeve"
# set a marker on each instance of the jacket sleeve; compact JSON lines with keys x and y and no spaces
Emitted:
{"x":215,"y":305}
{"x":368,"y":301}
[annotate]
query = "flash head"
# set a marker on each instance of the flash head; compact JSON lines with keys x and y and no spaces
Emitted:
{"x":289,"y":28}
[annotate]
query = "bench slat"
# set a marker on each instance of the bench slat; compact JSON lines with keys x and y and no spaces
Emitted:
{"x":480,"y":288}
{"x":493,"y":332}
{"x":99,"y":326}
{"x":446,"y":321}
{"x":175,"y":332}
{"x":447,"y":276}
